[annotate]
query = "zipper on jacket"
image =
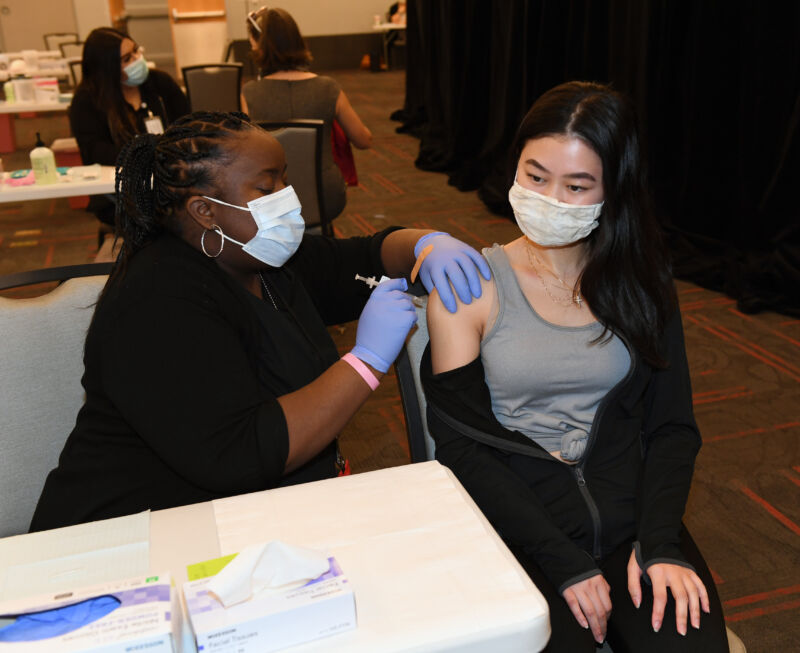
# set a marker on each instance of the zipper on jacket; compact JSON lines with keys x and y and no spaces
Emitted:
{"x":598,"y":416}
{"x":538,"y":452}
{"x":595,"y":513}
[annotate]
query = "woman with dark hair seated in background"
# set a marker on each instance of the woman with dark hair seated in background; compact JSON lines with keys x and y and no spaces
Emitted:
{"x":561,"y":398}
{"x":118,"y":97}
{"x":286,"y":90}
{"x":209,"y":368}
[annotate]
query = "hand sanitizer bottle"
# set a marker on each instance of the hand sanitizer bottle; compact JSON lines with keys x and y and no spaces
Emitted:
{"x":43,"y":163}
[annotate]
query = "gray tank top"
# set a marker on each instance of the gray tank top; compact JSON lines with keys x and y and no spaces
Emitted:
{"x":276,"y":100}
{"x":545,"y":380}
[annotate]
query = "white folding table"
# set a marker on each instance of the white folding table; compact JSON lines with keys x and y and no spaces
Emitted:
{"x":64,"y":187}
{"x":429,"y":572}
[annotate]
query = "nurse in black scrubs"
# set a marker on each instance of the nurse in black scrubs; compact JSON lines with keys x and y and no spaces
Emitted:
{"x":209,"y":370}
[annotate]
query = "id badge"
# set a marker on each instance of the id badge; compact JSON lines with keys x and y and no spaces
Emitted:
{"x":153,"y":125}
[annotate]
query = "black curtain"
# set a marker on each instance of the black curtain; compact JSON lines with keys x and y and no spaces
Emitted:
{"x":716,"y":86}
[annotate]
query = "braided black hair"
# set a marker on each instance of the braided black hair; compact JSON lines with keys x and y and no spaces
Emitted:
{"x":156,"y":173}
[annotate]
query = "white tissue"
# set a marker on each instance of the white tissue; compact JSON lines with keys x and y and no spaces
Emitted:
{"x":80,"y":173}
{"x":272,"y":566}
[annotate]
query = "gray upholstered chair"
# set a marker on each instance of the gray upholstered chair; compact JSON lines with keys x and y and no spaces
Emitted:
{"x":213,"y":87}
{"x":420,"y":444}
{"x":302,"y":142}
{"x":40,"y":383}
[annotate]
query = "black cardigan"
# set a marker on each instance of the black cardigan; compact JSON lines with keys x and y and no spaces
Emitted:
{"x":632,"y":482}
{"x":89,"y":126}
{"x":183,"y":368}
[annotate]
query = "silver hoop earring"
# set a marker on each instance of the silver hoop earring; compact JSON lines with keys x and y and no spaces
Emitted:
{"x":217,"y":230}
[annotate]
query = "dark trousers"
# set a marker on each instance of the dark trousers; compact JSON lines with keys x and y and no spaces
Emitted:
{"x":629,"y":629}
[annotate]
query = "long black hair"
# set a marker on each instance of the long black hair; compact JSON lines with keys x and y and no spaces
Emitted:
{"x":155,"y":175}
{"x":102,"y":78}
{"x":627,"y":279}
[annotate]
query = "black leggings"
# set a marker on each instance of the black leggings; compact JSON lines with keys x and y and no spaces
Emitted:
{"x":629,"y":629}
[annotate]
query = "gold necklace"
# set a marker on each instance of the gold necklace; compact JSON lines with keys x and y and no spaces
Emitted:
{"x":574,"y":300}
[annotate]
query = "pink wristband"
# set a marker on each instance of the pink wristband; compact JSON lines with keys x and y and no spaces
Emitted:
{"x":362,"y":369}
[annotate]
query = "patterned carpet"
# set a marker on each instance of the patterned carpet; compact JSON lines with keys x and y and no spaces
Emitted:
{"x":744,"y":509}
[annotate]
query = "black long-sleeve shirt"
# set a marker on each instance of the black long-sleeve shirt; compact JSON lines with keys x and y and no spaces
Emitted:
{"x":183,"y":368}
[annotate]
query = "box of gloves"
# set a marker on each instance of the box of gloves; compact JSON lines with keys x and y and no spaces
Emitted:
{"x":138,"y":614}
{"x":268,"y":597}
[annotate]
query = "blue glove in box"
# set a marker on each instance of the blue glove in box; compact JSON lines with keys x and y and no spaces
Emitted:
{"x":133,"y":614}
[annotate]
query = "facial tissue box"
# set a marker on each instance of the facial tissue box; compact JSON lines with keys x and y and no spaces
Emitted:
{"x":139,"y":614}
{"x":271,"y":619}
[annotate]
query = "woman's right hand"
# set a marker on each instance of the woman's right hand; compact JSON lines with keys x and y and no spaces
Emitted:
{"x":590,"y":602}
{"x":384,"y":324}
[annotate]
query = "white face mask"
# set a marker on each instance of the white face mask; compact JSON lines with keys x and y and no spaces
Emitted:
{"x":280,"y":226}
{"x":547,"y":221}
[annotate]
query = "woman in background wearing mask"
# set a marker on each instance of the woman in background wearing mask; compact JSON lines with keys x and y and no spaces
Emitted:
{"x":118,"y":97}
{"x":209,"y":370}
{"x":561,"y":398}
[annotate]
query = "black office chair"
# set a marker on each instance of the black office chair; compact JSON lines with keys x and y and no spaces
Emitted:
{"x":76,"y":72}
{"x":239,"y":51}
{"x":53,"y":40}
{"x":72,"y":50}
{"x":214,"y":87}
{"x":302,"y":142}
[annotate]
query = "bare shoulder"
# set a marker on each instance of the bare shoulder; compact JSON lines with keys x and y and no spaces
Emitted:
{"x":467,"y":315}
{"x":456,"y":337}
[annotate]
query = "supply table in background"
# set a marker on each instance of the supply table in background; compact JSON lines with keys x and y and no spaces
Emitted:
{"x":65,"y":187}
{"x":428,"y":571}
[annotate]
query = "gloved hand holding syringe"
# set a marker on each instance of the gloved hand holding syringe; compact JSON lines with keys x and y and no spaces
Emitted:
{"x":372,"y":282}
{"x":387,"y":318}
{"x":389,"y":313}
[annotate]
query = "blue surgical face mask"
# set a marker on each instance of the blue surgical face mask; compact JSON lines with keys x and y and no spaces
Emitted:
{"x":137,"y":71}
{"x":280,"y":226}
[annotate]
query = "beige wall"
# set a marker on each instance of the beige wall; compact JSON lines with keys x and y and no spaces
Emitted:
{"x":193,"y":41}
{"x":23,"y":23}
{"x":315,"y":17}
{"x":90,"y":14}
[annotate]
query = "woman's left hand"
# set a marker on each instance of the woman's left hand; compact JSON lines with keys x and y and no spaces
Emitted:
{"x":687,"y":589}
{"x":451,"y":261}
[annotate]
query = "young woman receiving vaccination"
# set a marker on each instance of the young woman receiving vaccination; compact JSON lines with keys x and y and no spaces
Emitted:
{"x":209,"y":368}
{"x":561,"y":398}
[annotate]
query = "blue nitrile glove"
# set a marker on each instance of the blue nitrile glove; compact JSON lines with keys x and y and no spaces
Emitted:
{"x":384,"y":324}
{"x":58,"y":621}
{"x":451,"y":261}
